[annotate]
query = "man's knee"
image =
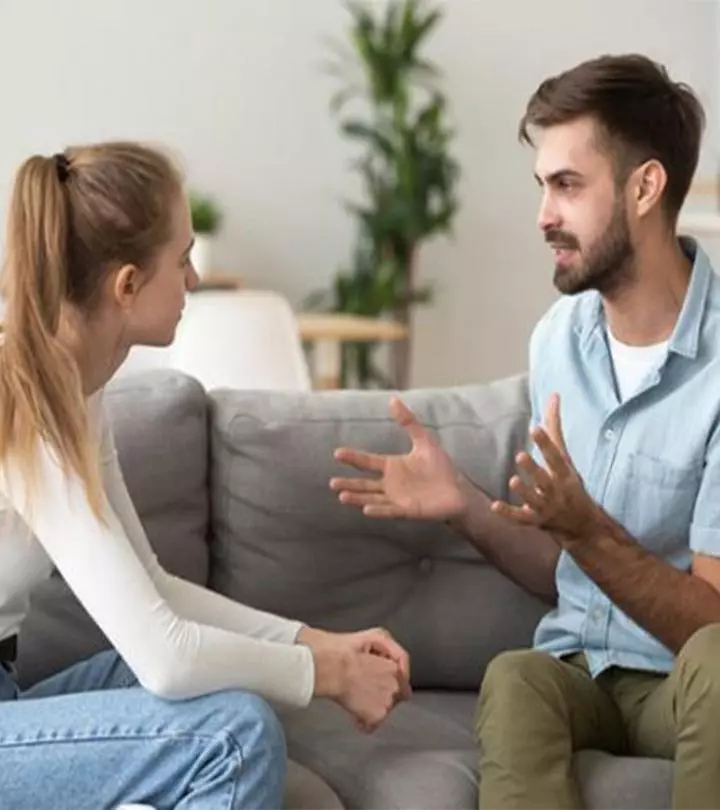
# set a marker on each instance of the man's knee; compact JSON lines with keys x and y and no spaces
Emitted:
{"x":517,"y":667}
{"x":511,"y":675}
{"x":698,"y":663}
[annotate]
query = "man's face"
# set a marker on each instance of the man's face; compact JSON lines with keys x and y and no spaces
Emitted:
{"x":583,"y":214}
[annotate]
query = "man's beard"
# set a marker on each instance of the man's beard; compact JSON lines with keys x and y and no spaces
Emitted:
{"x":607,"y":264}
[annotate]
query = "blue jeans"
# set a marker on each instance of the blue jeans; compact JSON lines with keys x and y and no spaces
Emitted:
{"x":90,"y":738}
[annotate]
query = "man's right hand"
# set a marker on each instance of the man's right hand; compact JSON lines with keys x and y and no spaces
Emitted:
{"x":421,"y":484}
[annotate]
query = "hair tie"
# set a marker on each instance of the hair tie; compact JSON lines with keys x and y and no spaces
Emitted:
{"x":62,"y":166}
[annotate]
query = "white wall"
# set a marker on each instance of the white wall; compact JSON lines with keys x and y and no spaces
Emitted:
{"x":235,"y":87}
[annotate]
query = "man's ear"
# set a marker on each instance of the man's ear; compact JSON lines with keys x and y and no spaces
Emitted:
{"x":126,"y":285}
{"x":647,"y":186}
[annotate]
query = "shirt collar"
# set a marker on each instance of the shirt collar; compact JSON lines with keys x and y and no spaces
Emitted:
{"x":685,"y":337}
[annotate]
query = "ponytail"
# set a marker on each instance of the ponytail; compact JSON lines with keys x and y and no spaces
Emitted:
{"x":41,"y":394}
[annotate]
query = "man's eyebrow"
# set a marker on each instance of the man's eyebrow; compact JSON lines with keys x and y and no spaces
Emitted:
{"x":560,"y":174}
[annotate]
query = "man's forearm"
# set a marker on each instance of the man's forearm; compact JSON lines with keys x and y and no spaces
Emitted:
{"x":525,"y":554}
{"x":668,"y":603}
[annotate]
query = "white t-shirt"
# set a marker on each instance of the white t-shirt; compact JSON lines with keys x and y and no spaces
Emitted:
{"x":633,"y":364}
{"x":179,"y":639}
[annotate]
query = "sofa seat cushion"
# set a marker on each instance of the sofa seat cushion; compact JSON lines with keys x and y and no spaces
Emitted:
{"x":425,"y":756}
{"x":305,"y":790}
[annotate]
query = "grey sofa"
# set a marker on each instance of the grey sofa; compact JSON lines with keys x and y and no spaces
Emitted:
{"x":233,"y":490}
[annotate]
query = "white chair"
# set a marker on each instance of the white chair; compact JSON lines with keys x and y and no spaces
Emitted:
{"x":233,"y":339}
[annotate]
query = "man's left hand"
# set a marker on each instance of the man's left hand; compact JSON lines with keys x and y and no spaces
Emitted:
{"x":554,"y":496}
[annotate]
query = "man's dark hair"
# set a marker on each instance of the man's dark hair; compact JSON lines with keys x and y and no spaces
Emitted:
{"x":641,"y":113}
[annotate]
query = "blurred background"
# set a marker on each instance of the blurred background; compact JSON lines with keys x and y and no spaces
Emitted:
{"x":240,"y":91}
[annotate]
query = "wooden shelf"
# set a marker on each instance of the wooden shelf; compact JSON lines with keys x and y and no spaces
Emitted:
{"x":345,"y":327}
{"x":219,"y":281}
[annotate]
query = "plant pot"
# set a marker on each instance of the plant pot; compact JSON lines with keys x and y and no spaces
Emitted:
{"x":201,"y":254}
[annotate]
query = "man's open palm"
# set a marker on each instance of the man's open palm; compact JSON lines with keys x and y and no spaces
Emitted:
{"x":421,"y":484}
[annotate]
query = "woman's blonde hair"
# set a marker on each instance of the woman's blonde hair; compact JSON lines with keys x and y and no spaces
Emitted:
{"x":73,"y":218}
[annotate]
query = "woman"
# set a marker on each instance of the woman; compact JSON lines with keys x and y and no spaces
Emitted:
{"x":98,"y":248}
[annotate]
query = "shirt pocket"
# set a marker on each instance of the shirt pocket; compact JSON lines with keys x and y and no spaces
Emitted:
{"x":658,"y":501}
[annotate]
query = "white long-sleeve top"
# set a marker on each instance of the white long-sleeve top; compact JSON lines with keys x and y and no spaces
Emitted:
{"x":180,"y":640}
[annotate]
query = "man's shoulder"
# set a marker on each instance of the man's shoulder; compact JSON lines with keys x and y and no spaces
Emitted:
{"x":566,"y":315}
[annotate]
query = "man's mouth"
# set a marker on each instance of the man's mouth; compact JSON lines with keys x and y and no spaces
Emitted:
{"x":562,"y":252}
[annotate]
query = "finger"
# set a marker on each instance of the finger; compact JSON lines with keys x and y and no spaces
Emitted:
{"x":539,"y":474}
{"x":520,"y":514}
{"x":356,"y":484}
{"x":361,"y":460}
{"x":405,"y":692}
{"x":556,"y":461}
{"x":407,"y":420}
{"x":553,"y":423}
{"x":377,"y":511}
{"x":382,"y":643}
{"x":362,"y":499}
{"x":527,"y":493}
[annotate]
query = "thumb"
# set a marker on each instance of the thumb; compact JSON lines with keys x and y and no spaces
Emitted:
{"x":407,"y":420}
{"x":553,"y":423}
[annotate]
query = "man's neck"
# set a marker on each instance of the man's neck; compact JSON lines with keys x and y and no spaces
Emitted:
{"x":646,"y":310}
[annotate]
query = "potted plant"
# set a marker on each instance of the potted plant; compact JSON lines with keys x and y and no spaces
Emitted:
{"x":206,"y":220}
{"x":408,"y":176}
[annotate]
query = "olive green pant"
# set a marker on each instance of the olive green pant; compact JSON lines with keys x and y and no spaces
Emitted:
{"x":535,"y":711}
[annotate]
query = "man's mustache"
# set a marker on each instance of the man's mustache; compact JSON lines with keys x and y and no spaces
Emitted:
{"x":561,"y":239}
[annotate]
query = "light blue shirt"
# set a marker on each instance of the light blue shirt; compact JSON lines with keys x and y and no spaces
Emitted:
{"x":652,"y":462}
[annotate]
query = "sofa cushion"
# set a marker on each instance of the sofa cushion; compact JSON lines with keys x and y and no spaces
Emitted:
{"x":623,"y":782}
{"x":305,"y":790}
{"x":424,"y":756}
{"x":160,"y":426}
{"x":282,"y":542}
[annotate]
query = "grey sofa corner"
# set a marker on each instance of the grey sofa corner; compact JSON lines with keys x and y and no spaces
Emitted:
{"x":233,"y":490}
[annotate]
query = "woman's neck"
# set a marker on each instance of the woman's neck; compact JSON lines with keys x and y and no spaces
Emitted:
{"x":97,"y":347}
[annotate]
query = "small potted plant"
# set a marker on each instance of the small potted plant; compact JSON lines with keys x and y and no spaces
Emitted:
{"x":206,"y":221}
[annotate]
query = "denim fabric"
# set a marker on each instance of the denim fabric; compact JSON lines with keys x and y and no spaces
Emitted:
{"x":90,"y":738}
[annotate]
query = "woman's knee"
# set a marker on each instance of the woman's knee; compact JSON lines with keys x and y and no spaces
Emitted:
{"x":254,"y":719}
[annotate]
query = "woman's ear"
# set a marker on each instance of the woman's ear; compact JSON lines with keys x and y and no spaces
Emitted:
{"x":126,"y":285}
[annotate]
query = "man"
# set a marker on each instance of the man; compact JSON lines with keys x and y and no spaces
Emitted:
{"x":619,"y":507}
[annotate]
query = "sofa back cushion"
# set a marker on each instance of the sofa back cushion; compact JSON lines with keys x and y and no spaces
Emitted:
{"x":282,"y":542}
{"x":160,"y":427}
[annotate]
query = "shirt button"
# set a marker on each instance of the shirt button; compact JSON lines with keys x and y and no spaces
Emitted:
{"x":596,"y":614}
{"x":609,"y":434}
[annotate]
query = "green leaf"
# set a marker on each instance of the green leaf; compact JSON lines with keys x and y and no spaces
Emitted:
{"x":341,"y":97}
{"x":421,"y":30}
{"x":422,"y":67}
{"x":362,"y":131}
{"x":204,"y":213}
